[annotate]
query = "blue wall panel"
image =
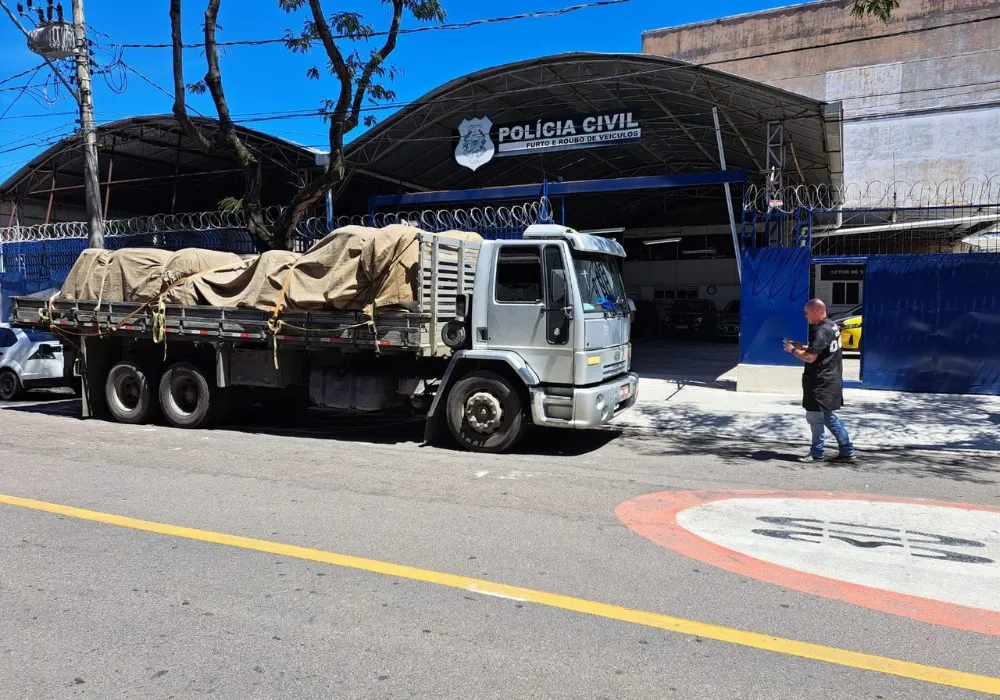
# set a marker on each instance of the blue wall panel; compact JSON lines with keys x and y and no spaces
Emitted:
{"x":932,"y":323}
{"x":775,"y":290}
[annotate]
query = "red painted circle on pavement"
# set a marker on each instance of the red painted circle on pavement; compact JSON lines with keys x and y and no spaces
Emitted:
{"x":655,"y":517}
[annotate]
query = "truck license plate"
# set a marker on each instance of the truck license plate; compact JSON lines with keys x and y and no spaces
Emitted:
{"x":624,"y":392}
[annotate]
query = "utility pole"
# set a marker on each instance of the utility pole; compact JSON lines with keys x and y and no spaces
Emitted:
{"x":91,"y":186}
{"x":52,"y":40}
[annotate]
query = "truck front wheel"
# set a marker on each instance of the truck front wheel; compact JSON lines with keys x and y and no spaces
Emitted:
{"x":129,"y":393}
{"x":485,"y":413}
{"x":187,"y":399}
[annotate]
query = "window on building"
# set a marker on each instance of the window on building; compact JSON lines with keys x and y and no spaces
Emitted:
{"x":670,"y":293}
{"x":519,"y":275}
{"x":846,"y":293}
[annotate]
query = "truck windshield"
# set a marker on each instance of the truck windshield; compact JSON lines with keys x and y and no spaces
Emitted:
{"x":600,"y":283}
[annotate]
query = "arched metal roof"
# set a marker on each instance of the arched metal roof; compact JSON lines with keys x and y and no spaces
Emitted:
{"x":415,"y":147}
{"x":153,"y":168}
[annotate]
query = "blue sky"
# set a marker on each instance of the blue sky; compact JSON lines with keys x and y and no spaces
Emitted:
{"x":271,"y":80}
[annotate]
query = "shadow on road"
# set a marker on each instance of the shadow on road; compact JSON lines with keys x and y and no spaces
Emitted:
{"x":917,"y":421}
{"x":390,"y":428}
{"x":961,"y":467}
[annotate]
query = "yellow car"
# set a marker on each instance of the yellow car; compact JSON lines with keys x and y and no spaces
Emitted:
{"x":850,"y":330}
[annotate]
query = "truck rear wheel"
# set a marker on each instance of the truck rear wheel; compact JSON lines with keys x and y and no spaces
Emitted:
{"x":187,"y":399}
{"x":485,"y":413}
{"x":129,"y":392}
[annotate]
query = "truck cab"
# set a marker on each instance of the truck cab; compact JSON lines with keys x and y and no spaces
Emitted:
{"x":550,"y":311}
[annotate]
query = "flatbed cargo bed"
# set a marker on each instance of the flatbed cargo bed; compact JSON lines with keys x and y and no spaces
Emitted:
{"x":446,"y":269}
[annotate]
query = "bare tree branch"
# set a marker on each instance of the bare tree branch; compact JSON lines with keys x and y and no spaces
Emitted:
{"x":180,"y":105}
{"x":376,"y":60}
{"x":358,"y":79}
{"x":343,"y":71}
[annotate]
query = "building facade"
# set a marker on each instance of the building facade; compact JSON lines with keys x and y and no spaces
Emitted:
{"x":920,"y":94}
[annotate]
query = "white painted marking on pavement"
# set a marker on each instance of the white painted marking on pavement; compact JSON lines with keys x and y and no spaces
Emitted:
{"x":946,"y":554}
{"x":494,"y":594}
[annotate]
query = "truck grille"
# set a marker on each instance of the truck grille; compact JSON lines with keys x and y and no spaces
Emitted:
{"x":615,"y":368}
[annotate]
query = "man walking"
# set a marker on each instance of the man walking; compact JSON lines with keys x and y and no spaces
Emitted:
{"x":822,"y":382}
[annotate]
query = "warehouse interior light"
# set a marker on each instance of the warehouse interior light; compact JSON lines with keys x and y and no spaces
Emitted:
{"x":604,"y":231}
{"x":662,"y":240}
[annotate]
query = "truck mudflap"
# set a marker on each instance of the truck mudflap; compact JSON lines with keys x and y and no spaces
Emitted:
{"x":584,"y":408}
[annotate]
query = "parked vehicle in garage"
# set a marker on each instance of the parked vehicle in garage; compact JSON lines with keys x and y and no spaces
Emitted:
{"x":646,"y":324}
{"x":728,"y":327}
{"x":691,"y":319}
{"x":850,"y":328}
{"x":30,"y":359}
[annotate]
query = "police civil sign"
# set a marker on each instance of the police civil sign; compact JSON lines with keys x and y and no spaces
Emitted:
{"x":479,"y":140}
{"x":585,"y":131}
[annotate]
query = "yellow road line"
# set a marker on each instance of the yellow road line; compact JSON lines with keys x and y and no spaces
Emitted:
{"x":790,"y":647}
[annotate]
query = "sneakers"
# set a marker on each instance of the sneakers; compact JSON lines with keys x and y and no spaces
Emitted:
{"x":839,"y":458}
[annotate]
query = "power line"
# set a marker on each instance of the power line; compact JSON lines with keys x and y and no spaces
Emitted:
{"x":21,"y":74}
{"x":416,"y":30}
{"x":24,"y":88}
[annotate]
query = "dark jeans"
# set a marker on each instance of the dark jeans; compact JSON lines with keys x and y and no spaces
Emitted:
{"x":818,"y":422}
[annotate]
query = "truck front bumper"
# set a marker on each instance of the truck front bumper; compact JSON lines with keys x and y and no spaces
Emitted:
{"x":583,"y":408}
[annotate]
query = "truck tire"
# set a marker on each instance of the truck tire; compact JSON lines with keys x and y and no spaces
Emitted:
{"x":129,"y":392}
{"x":187,"y":399}
{"x":10,"y":386}
{"x":485,"y":413}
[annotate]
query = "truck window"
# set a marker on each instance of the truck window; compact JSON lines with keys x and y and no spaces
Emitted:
{"x":7,"y":338}
{"x":519,"y":275}
{"x":600,"y":283}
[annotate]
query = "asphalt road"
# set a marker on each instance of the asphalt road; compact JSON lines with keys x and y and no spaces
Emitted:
{"x":104,"y":608}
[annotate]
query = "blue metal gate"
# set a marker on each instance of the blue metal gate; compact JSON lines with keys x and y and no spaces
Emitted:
{"x":775,"y":289}
{"x":932,"y":323}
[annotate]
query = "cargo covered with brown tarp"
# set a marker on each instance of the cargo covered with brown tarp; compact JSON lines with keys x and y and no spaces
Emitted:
{"x":353,"y":269}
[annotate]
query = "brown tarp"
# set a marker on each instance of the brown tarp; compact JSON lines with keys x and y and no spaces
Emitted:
{"x":353,"y":268}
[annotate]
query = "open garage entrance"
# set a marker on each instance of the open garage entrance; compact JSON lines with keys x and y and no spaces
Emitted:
{"x":654,"y":152}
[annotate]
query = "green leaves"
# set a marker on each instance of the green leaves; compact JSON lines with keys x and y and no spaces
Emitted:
{"x":351,"y":26}
{"x":425,"y":10}
{"x":880,"y":9}
{"x":198,"y":88}
{"x":231,"y":204}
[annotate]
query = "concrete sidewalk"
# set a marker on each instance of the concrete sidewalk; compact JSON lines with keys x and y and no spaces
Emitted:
{"x":875,"y":419}
{"x":690,"y":390}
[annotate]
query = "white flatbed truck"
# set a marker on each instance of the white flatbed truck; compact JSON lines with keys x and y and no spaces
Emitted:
{"x":504,"y":334}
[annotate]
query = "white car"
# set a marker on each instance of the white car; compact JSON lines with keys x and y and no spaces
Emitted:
{"x":30,"y":359}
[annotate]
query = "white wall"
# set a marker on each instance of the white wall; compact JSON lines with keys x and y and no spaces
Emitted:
{"x":686,"y":273}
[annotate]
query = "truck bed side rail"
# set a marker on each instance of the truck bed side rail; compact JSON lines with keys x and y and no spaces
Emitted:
{"x":400,"y":330}
{"x":448,"y":269}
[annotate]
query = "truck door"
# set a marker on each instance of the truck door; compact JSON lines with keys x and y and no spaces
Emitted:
{"x":527,"y":315}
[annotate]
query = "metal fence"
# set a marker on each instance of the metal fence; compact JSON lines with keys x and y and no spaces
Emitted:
{"x":846,"y":233}
{"x":46,"y":252}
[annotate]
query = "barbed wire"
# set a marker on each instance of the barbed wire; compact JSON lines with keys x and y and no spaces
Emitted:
{"x":877,"y":194}
{"x":509,"y":217}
